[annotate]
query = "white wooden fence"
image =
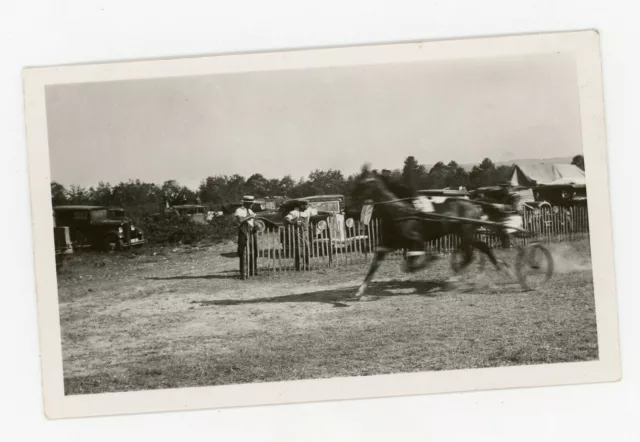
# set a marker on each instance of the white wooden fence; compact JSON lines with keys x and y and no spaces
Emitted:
{"x":283,"y":251}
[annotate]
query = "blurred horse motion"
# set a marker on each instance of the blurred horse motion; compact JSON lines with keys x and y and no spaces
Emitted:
{"x":407,"y":225}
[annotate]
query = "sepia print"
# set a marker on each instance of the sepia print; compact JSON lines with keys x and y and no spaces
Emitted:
{"x":409,"y":218}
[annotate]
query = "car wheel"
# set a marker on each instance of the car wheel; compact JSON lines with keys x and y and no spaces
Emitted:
{"x":260,"y":225}
{"x":111,"y":243}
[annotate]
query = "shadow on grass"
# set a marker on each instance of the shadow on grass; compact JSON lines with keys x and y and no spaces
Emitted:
{"x":229,"y":275}
{"x":338,"y":297}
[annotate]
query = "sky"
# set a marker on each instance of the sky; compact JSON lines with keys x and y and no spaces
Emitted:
{"x":293,"y":122}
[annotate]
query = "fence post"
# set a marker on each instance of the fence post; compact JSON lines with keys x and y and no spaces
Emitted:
{"x":247,"y":252}
{"x":271,"y":251}
{"x":287,"y":248}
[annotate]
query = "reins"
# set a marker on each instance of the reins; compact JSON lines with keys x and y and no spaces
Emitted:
{"x":397,"y":200}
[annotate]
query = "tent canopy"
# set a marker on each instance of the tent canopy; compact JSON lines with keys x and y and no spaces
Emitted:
{"x":529,"y":175}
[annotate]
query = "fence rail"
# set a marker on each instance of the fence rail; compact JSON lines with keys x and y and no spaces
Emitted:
{"x":295,"y":249}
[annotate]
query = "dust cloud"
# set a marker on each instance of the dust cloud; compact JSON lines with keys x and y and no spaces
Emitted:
{"x":570,"y":257}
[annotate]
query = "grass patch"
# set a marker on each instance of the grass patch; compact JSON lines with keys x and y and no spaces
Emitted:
{"x":185,"y":321}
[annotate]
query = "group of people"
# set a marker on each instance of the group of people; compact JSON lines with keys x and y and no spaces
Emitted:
{"x":299,"y":218}
{"x":504,"y":201}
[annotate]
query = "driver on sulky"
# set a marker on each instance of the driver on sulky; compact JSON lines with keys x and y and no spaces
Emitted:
{"x":247,"y":237}
{"x":508,"y":201}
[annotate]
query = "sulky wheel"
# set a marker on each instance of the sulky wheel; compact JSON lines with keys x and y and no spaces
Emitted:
{"x":534,"y":266}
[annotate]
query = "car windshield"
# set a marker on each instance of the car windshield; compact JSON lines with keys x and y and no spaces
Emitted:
{"x":98,"y":214}
{"x":188,"y":210}
{"x":326,"y":206}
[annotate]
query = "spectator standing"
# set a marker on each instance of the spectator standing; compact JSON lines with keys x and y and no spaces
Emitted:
{"x":299,"y":220}
{"x":247,"y":238}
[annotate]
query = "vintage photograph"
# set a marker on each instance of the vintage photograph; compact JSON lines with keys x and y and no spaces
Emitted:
{"x":367,"y":215}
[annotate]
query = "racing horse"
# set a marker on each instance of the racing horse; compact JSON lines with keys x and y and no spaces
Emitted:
{"x":405,"y":227}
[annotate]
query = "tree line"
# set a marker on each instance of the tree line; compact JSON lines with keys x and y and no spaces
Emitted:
{"x":141,"y":197}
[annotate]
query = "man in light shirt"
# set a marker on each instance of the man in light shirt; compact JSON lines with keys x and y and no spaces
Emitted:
{"x":247,"y":237}
{"x":299,"y":218}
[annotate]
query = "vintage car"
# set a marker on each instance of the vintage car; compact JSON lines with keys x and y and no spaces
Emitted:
{"x":488,"y":193}
{"x":542,"y":217}
{"x":259,"y":205}
{"x":62,"y":243}
{"x":564,"y":195}
{"x":444,"y":193}
{"x":438,"y":196}
{"x":331,"y":223}
{"x":116,"y":213}
{"x":90,"y":226}
{"x":198,"y":213}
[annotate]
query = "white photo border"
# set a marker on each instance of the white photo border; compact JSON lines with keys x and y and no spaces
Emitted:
{"x":584,"y":47}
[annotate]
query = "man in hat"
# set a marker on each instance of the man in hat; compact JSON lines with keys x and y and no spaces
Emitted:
{"x":508,"y":200}
{"x":247,"y":237}
{"x":508,"y":197}
{"x":299,"y":219}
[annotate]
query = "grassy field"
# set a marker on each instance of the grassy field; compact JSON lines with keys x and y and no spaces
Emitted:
{"x":180,"y":318}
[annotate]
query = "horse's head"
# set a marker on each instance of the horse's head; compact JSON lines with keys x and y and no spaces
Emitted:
{"x":367,"y":184}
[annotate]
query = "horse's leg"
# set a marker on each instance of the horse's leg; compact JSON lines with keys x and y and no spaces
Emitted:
{"x":416,"y":255}
{"x":499,"y":265}
{"x":467,"y":256}
{"x":484,"y":248}
{"x":416,"y":259}
{"x":377,"y":259}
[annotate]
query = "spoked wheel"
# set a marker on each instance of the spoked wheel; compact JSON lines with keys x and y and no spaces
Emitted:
{"x":534,"y":266}
{"x":262,"y":227}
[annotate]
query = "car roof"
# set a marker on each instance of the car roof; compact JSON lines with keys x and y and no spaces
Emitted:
{"x":561,"y":186}
{"x":70,"y":208}
{"x":443,"y":192}
{"x":320,"y":197}
{"x":188,"y":206}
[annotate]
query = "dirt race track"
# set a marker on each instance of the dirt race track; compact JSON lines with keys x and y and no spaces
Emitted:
{"x":164,"y":318}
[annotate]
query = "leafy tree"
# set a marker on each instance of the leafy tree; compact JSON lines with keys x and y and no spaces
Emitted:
{"x":442,"y":176}
{"x":235,"y":188}
{"x":327,"y":182}
{"x":411,"y":172}
{"x":437,"y":177}
{"x":221,"y":189}
{"x":78,"y":195}
{"x":213,"y":190}
{"x":273,"y":188}
{"x":286,"y":185}
{"x":102,"y":195}
{"x":257,"y":185}
{"x":456,"y":176}
{"x":58,"y":194}
{"x":177,"y":194}
{"x":578,"y":161}
{"x":484,"y":174}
